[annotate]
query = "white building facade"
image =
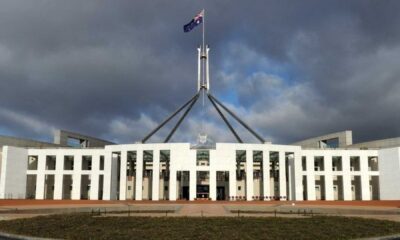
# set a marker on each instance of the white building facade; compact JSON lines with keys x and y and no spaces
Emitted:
{"x":175,"y":171}
{"x":328,"y":167}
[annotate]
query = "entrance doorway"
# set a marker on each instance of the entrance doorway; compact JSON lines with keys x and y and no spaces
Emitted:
{"x":222,"y":185}
{"x":182,"y":183}
{"x":317,"y":192}
{"x":203,"y":191}
{"x":221,"y":193}
{"x":185,"y":192}
{"x":203,"y":184}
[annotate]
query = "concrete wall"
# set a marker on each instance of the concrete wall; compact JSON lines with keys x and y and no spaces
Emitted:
{"x":20,"y":142}
{"x":223,"y":158}
{"x":1,"y":157}
{"x":383,"y":143}
{"x":13,"y":173}
{"x":328,"y":173}
{"x":345,"y":139}
{"x":60,"y":172}
{"x":389,"y":166}
{"x":61,"y":138}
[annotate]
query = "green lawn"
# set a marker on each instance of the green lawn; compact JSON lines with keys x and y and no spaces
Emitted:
{"x":83,"y":226}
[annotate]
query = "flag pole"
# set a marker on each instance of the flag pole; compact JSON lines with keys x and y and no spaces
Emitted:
{"x":204,"y":52}
{"x":203,"y":75}
{"x":204,"y":23}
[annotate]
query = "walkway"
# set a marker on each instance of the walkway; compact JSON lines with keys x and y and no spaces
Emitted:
{"x":203,"y":210}
{"x":389,"y":210}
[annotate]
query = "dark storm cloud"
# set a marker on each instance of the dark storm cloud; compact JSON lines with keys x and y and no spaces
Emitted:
{"x":114,"y":69}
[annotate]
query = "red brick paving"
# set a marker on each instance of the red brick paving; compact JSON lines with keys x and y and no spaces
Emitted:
{"x":394,"y":203}
{"x":24,"y":202}
{"x":4,"y":203}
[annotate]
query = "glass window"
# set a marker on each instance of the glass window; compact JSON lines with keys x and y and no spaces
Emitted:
{"x":50,"y":162}
{"x":33,"y":162}
{"x":68,"y":162}
{"x":86,"y":162}
{"x":203,"y":158}
{"x":101,"y":162}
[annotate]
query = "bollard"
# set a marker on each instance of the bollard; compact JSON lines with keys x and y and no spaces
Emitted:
{"x":238,"y":213}
{"x":166,"y":213}
{"x":275,"y":212}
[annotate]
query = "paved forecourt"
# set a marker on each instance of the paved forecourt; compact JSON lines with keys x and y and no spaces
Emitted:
{"x":389,"y":210}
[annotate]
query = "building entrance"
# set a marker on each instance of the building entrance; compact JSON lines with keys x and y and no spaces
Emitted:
{"x":185,"y":193}
{"x":182,"y":182}
{"x":220,"y":193}
{"x":203,"y":191}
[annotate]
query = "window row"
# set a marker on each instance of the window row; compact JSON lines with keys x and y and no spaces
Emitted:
{"x":337,"y":163}
{"x":68,"y":162}
{"x":67,"y":185}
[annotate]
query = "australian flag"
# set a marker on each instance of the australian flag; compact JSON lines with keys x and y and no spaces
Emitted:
{"x":195,"y":21}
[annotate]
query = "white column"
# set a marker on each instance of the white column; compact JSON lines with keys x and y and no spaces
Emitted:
{"x":213,"y":184}
{"x":347,"y":194}
{"x":193,"y":174}
{"x":76,"y":177}
{"x":58,"y":177}
{"x":156,"y":175}
{"x":107,"y":175}
{"x":297,"y":174}
{"x":94,"y":179}
{"x":292,"y":158}
{"x":328,"y":177}
{"x":310,"y":177}
{"x":232,"y":182}
{"x":40,"y":177}
{"x":249,"y":175}
{"x":122,"y":176}
{"x":192,"y":184}
{"x":40,"y":186}
{"x":282,"y":174}
{"x":114,"y":175}
{"x":266,"y":175}
{"x":139,"y":175}
{"x":76,"y":186}
{"x":289,"y":195}
{"x":172,"y":184}
{"x":94,"y":186}
{"x":365,"y":191}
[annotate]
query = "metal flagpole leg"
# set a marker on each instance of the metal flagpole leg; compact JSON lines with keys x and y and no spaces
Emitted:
{"x":239,"y":120}
{"x":225,"y":120}
{"x":169,"y":118}
{"x":181,"y":119}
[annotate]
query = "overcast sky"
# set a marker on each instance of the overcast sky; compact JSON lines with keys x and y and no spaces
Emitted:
{"x":114,"y":69}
